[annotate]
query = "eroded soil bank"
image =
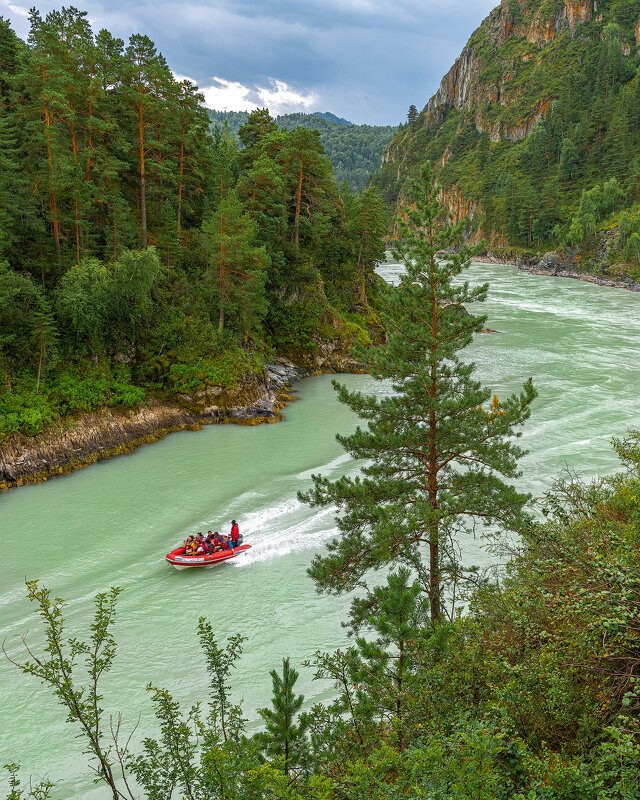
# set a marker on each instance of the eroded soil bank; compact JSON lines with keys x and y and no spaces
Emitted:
{"x":106,"y":433}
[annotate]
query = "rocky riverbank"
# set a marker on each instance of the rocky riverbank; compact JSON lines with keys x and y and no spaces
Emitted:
{"x":564,"y":265}
{"x":107,"y":433}
{"x":567,"y":265}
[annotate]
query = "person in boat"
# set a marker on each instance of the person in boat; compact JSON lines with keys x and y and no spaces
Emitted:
{"x":200,"y":545}
{"x":191,"y":551}
{"x":187,"y":544}
{"x":209,"y":543}
{"x":227,"y":544}
{"x":217,"y":544}
{"x":235,"y":533}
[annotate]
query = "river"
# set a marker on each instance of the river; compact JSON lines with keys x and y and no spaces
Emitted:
{"x":112,"y":523}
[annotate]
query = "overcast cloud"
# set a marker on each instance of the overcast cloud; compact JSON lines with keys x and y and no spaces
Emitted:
{"x":366,"y":60}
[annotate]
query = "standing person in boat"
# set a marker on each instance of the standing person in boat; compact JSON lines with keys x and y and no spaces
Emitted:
{"x":235,"y":533}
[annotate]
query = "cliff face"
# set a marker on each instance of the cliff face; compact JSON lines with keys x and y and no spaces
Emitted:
{"x":565,"y":69}
{"x":466,"y":88}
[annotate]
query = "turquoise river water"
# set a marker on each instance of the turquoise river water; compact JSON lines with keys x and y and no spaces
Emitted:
{"x":112,"y":523}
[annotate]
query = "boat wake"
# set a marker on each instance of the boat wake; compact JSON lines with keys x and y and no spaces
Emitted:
{"x":288,"y":527}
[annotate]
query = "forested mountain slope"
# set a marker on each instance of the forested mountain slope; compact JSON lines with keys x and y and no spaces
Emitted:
{"x":355,"y":151}
{"x":140,"y":254}
{"x":534,"y":131}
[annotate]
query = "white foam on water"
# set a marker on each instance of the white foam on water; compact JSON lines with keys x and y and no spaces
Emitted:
{"x":255,"y":522}
{"x":295,"y":534}
{"x":327,"y":469}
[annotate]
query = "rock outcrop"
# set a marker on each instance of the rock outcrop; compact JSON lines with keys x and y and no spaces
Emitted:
{"x":103,"y":434}
{"x":465,"y":88}
{"x":593,"y":266}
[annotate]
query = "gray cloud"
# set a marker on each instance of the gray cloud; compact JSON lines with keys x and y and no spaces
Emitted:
{"x":366,"y":60}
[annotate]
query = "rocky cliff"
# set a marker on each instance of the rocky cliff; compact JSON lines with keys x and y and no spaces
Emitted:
{"x":469,"y":87}
{"x":563,"y":68}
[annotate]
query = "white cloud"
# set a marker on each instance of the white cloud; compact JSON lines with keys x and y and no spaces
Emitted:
{"x":178,"y":77}
{"x":278,"y":97}
{"x":282,"y":99}
{"x":23,"y":12}
{"x":225,"y":95}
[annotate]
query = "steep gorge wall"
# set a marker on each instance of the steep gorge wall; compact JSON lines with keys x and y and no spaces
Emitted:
{"x":518,"y":68}
{"x":465,"y":88}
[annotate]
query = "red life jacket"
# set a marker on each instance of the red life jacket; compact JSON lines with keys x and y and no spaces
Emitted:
{"x":235,"y":532}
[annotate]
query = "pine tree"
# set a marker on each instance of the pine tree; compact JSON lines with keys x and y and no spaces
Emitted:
{"x":13,"y":190}
{"x":367,"y":228}
{"x":436,"y":452}
{"x":42,"y":79}
{"x":569,"y":161}
{"x":147,"y":77}
{"x":71,"y":38}
{"x":260,"y":189}
{"x":236,"y":267}
{"x":223,"y":153}
{"x":259,"y":125}
{"x":381,"y":668}
{"x":284,"y":737}
{"x":44,"y":327}
{"x":412,"y":114}
{"x":190,"y":140}
{"x":307,"y":181}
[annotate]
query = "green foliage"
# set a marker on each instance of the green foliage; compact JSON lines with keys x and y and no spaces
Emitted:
{"x":236,"y":271}
{"x":436,"y":452}
{"x":295,"y":323}
{"x":20,"y":300}
{"x":132,"y":234}
{"x":225,"y":368}
{"x":532,"y":695}
{"x":283,"y":737}
{"x":72,"y":390}
{"x":354,"y":151}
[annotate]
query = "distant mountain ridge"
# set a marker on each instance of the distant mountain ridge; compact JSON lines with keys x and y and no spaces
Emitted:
{"x":540,"y":112}
{"x":332,"y":117}
{"x":355,"y":151}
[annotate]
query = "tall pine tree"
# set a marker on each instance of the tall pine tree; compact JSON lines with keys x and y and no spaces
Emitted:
{"x":436,"y":448}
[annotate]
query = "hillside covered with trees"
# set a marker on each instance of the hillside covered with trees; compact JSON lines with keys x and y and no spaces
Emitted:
{"x":355,"y":151}
{"x":535,"y":131}
{"x":140,"y":254}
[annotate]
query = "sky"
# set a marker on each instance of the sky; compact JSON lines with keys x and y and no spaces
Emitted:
{"x":365,"y":60}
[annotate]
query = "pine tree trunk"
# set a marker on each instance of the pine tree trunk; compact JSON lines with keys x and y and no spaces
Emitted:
{"x":360,"y":272}
{"x":143,"y":190}
{"x":432,"y":470}
{"x":223,"y":276}
{"x":74,"y":150}
{"x":296,"y":223}
{"x":52,"y":192}
{"x":40,"y":360}
{"x":180,"y":178}
{"x":92,"y":76}
{"x":399,"y":682}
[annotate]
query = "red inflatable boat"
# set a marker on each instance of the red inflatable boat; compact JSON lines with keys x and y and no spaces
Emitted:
{"x":178,"y":560}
